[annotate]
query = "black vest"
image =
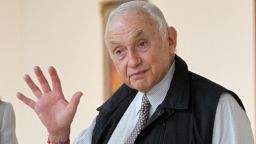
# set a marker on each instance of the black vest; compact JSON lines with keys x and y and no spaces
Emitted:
{"x":186,"y":116}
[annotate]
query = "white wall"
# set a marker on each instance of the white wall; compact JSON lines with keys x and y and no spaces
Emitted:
{"x":215,"y":38}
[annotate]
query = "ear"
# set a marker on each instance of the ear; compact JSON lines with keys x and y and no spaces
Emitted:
{"x":172,"y":39}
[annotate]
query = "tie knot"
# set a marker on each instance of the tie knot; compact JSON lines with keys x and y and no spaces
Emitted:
{"x":145,"y":102}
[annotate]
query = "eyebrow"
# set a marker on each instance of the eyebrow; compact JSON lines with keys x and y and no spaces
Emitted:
{"x":134,"y":36}
{"x":137,"y":34}
{"x":114,"y":42}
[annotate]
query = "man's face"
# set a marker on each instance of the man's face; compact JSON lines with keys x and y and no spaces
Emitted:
{"x":140,"y":54}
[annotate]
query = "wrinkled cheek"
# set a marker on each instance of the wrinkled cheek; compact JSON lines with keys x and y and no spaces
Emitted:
{"x":121,"y":68}
{"x":126,"y":80}
{"x":124,"y":77}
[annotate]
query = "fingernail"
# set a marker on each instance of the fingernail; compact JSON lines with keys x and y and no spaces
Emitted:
{"x":26,"y":76}
{"x":36,"y":67}
{"x":50,"y":67}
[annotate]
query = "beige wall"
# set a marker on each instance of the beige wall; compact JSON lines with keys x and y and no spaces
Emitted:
{"x":215,"y":38}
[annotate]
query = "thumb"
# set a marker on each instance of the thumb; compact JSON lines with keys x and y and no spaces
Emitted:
{"x":75,"y":101}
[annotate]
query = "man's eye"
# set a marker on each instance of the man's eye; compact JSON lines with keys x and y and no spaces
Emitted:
{"x":119,"y":52}
{"x":142,"y":43}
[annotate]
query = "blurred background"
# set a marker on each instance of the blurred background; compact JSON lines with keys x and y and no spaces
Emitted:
{"x":216,"y":38}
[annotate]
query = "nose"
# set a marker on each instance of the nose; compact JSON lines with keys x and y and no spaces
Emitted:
{"x":134,"y":59}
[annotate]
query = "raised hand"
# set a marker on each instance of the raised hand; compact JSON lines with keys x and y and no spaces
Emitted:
{"x":54,"y":111}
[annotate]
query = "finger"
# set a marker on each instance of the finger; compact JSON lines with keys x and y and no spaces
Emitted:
{"x":42,"y":80}
{"x":75,"y":101}
{"x":56,"y":85}
{"x":26,"y":100}
{"x":37,"y":92}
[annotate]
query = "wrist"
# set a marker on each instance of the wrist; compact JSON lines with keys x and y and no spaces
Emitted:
{"x":59,"y":142}
{"x":59,"y":138}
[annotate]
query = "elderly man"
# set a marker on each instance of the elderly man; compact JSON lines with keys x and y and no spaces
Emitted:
{"x":160,"y":102}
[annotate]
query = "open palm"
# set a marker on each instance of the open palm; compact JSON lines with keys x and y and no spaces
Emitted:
{"x":54,"y":111}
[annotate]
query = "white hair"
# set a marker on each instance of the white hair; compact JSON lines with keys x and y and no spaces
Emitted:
{"x":149,"y":8}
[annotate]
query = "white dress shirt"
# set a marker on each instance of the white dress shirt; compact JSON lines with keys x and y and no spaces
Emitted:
{"x":231,"y":126}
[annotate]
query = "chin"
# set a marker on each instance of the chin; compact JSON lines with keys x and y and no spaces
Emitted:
{"x":142,"y":88}
{"x":140,"y":85}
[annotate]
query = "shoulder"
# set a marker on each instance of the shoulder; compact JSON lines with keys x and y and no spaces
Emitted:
{"x":6,"y":110}
{"x":204,"y":83}
{"x":211,"y":90}
{"x":5,"y":106}
{"x":204,"y":92}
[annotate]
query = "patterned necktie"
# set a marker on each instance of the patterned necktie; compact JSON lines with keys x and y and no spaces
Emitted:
{"x":143,"y":116}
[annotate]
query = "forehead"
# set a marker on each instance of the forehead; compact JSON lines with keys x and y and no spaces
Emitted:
{"x":131,"y":24}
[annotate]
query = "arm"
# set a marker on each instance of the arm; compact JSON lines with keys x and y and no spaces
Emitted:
{"x":54,"y":111}
{"x":8,"y":135}
{"x":231,"y":125}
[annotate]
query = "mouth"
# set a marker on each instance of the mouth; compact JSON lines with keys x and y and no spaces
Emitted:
{"x":138,"y":74}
